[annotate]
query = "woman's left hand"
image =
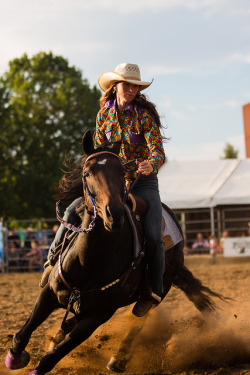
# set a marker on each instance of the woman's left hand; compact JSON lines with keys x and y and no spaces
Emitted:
{"x":145,"y":167}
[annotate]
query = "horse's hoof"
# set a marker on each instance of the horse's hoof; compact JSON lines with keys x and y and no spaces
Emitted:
{"x":16,"y":361}
{"x":36,"y":372}
{"x":116,"y":366}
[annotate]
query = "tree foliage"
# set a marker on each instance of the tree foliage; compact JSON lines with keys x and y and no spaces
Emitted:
{"x":45,"y":107}
{"x":230,"y":152}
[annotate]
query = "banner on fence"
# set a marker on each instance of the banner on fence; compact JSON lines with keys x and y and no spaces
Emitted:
{"x":237,"y":247}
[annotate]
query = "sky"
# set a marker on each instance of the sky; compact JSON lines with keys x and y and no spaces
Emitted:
{"x":197,"y":52}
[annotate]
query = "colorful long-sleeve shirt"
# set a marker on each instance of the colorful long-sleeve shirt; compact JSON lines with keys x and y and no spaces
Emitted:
{"x":140,"y":137}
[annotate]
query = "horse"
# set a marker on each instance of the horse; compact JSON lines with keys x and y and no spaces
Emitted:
{"x":98,"y":271}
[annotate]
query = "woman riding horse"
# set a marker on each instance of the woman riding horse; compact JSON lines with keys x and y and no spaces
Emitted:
{"x":98,"y":271}
{"x":128,"y":117}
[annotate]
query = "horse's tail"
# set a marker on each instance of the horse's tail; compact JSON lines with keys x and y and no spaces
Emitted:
{"x":195,"y":291}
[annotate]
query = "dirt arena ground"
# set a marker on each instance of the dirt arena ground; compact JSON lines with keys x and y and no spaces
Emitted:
{"x":175,"y":339}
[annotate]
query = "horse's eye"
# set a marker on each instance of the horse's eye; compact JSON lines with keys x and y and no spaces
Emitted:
{"x":87,"y":174}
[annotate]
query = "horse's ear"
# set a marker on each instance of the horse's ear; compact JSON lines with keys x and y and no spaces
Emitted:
{"x":87,"y":143}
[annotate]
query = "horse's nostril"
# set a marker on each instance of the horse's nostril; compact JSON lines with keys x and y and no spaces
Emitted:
{"x":108,"y":213}
{"x":114,"y":216}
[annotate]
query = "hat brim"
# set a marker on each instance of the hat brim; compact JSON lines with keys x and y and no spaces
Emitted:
{"x":107,"y":79}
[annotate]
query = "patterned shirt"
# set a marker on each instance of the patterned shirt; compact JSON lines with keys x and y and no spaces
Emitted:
{"x":140,"y":140}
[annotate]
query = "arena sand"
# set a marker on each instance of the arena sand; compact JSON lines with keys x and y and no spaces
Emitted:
{"x":175,"y":339}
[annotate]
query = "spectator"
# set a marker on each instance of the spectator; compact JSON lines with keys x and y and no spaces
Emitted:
{"x":44,"y":249}
{"x":14,"y":237}
{"x":30,"y":236}
{"x":13,"y":254}
{"x":34,"y":257}
{"x":51,"y":236}
{"x":224,"y":235}
{"x":26,"y":249}
{"x":13,"y":249}
{"x":213,"y":243}
{"x":201,"y":244}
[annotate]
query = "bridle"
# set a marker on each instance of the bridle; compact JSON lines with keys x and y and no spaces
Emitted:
{"x":85,"y":186}
{"x":75,"y":294}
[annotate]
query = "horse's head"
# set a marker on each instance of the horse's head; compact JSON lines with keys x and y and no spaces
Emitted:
{"x":103,"y":181}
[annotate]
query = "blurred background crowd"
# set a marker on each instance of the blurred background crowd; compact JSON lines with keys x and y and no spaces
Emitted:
{"x":27,"y":250}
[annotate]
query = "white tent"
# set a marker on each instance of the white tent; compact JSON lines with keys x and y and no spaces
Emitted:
{"x":236,"y":190}
{"x":200,"y":184}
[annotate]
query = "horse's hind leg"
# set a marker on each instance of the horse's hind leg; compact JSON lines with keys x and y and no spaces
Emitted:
{"x":82,"y":330}
{"x":61,"y":334}
{"x":44,"y":306}
{"x":174,"y":260}
{"x":119,"y":362}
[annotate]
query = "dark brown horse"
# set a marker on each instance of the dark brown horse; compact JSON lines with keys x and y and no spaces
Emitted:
{"x":97,"y":273}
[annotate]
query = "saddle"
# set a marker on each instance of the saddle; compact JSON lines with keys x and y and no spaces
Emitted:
{"x":171,"y":234}
{"x":138,"y":208}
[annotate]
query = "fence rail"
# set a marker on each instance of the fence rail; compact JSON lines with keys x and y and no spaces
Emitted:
{"x":234,"y":220}
{"x":25,"y":244}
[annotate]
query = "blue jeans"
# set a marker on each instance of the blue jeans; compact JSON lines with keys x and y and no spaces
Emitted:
{"x":146,"y":188}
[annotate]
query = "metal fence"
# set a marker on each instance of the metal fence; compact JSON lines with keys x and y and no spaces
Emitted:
{"x":232,"y":219}
{"x":19,"y":241}
{"x":25,"y":244}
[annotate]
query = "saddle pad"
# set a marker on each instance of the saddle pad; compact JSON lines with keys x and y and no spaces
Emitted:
{"x":171,"y":234}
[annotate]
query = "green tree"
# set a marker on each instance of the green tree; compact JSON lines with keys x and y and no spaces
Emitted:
{"x":45,"y":107}
{"x":230,"y":152}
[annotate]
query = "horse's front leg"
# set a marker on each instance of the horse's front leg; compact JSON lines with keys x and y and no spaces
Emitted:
{"x":44,"y":306}
{"x":82,"y":330}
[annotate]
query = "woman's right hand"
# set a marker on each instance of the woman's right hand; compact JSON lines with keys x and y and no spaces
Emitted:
{"x":145,"y":167}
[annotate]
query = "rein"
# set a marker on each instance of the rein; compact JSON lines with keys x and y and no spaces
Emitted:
{"x":71,"y":226}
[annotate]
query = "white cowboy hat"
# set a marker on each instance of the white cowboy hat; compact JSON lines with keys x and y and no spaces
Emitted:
{"x":123,"y":72}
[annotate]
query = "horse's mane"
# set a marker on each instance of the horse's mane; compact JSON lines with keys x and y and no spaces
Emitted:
{"x":70,"y":185}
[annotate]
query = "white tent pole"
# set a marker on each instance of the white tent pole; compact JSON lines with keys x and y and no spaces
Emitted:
{"x":183,"y":222}
{"x":212,"y":221}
